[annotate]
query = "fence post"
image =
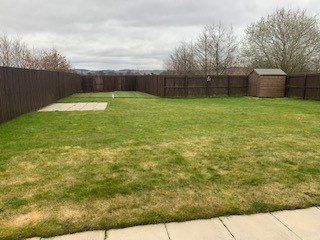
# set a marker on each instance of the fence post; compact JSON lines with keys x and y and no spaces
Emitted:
{"x":164,"y":86}
{"x":186,"y":87}
{"x":305,"y":86}
{"x":246,"y":83}
{"x":207,"y":87}
{"x":134,"y":83}
{"x":318,"y":93}
{"x":286,"y":87}
{"x":228,"y":85}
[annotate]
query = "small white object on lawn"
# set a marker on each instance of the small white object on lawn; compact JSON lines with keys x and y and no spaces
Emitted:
{"x":113,"y":96}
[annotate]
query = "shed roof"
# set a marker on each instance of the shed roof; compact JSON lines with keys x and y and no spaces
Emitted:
{"x":270,"y":72}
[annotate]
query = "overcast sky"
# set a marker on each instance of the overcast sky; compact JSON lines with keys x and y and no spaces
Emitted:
{"x":118,"y":34}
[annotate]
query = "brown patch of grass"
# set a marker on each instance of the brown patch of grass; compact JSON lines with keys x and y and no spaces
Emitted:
{"x":70,"y":212}
{"x":26,"y":219}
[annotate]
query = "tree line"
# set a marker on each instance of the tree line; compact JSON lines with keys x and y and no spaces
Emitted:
{"x":15,"y":53}
{"x":286,"y":39}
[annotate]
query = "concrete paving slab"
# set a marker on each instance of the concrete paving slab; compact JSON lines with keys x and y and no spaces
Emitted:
{"x":77,"y":107}
{"x":56,"y":107}
{"x":35,"y":238}
{"x":89,"y":106}
{"x":68,"y":107}
{"x":92,"y":235}
{"x":101,"y":106}
{"x":305,"y":222}
{"x":63,"y":106}
{"x":258,"y":226}
{"x":199,"y":230}
{"x":149,"y":232}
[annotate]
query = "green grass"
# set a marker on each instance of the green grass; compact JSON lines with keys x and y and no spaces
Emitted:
{"x":150,"y":160}
{"x":100,"y":97}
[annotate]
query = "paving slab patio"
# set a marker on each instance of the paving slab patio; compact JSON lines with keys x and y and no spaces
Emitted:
{"x":92,"y":235}
{"x":76,"y":107}
{"x":149,"y":232}
{"x":283,"y":225}
{"x":305,"y":223}
{"x":258,"y":226}
{"x":198,"y":230}
{"x":61,"y":107}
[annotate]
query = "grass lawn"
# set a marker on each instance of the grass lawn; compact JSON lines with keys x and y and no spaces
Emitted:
{"x":101,"y":97}
{"x":147,"y":160}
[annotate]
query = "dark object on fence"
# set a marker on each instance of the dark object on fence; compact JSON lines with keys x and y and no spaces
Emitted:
{"x":303,"y":86}
{"x":267,"y":83}
{"x":24,"y":90}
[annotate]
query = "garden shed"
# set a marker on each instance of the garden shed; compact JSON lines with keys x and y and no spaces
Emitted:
{"x":267,"y":83}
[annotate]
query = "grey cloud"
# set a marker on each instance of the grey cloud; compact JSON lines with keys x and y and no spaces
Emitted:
{"x":103,"y":34}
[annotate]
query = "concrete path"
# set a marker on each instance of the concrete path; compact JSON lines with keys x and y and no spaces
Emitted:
{"x":62,"y":107}
{"x":297,"y":225}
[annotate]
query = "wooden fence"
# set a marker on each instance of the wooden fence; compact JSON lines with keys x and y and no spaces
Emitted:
{"x":24,"y":90}
{"x":297,"y":86}
{"x":205,"y":86}
{"x":170,"y":86}
{"x":303,"y":86}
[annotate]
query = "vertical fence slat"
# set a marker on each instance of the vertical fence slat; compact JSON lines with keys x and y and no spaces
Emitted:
{"x":305,"y":87}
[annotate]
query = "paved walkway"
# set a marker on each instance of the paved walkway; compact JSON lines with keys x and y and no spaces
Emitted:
{"x":283,"y":225}
{"x":61,"y":107}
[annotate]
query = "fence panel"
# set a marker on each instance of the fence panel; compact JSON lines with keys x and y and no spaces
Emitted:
{"x":303,"y":86}
{"x":24,"y":90}
{"x":238,"y":86}
{"x":203,"y":86}
{"x":196,"y":86}
{"x":295,"y":86}
{"x":174,"y":86}
{"x":128,"y":83}
{"x":218,"y":86}
{"x":312,"y":87}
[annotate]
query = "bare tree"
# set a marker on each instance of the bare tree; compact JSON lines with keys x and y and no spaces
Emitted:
{"x":15,"y":53}
{"x":223,"y":48}
{"x":5,"y":50}
{"x":32,"y":59}
{"x":213,"y":53}
{"x":54,"y":61}
{"x":203,"y":50}
{"x":182,"y":59}
{"x":287,"y":39}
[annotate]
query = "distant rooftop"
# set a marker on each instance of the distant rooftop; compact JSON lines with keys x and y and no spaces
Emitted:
{"x":268,"y":72}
